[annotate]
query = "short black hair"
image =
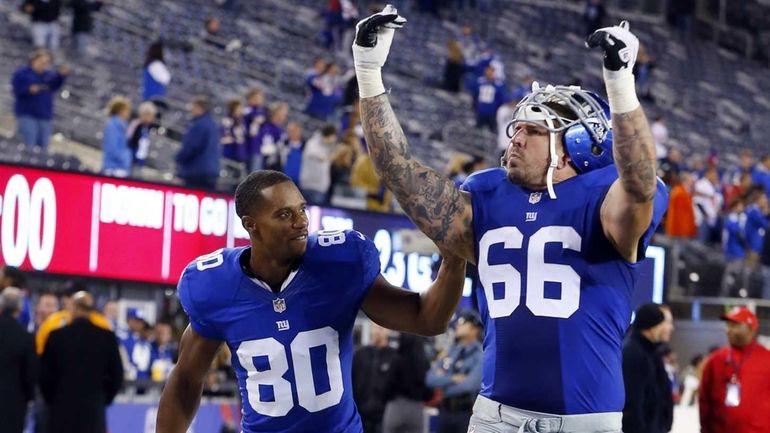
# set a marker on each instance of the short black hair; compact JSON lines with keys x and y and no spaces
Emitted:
{"x":18,"y":279}
{"x":249,"y":192}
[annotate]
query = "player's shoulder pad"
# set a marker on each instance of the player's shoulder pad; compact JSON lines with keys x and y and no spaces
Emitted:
{"x":599,"y":178}
{"x":484,"y":180}
{"x":216,"y":266}
{"x":337,"y":245}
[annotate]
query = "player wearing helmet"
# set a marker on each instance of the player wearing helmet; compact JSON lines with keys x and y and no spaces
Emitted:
{"x":556,"y":234}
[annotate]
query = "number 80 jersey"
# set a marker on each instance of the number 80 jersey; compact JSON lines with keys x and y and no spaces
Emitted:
{"x":291,"y":351}
{"x":556,"y":296}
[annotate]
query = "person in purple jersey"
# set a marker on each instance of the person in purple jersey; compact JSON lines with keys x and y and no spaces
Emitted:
{"x":285,"y":307}
{"x":556,"y":274}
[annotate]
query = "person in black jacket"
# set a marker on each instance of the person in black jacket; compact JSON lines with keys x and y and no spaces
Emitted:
{"x":406,"y":387}
{"x":18,"y":364}
{"x":371,"y":367}
{"x":82,"y":22}
{"x":649,"y":403}
{"x":81,"y":372}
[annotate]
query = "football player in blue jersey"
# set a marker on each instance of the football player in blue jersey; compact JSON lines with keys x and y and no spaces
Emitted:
{"x":557,"y":233}
{"x":285,"y":307}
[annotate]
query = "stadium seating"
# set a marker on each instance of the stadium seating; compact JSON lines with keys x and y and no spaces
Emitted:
{"x":709,"y":95}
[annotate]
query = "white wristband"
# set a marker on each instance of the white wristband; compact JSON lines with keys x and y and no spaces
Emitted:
{"x":369,"y":82}
{"x":621,"y":91}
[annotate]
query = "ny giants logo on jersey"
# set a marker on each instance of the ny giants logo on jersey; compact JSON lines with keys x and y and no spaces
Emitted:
{"x":283,"y":325}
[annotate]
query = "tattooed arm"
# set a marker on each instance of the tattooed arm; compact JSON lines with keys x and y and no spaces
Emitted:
{"x":626,"y":212}
{"x":431,"y":200}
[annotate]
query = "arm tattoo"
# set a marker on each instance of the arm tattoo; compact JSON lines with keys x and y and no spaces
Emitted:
{"x":634,"y":152}
{"x":430,"y":199}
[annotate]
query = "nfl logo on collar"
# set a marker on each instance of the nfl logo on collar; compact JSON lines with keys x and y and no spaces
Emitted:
{"x":534,"y":198}
{"x":279,"y":305}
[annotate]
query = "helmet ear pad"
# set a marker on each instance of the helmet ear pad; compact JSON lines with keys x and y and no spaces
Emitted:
{"x":585,"y":152}
{"x":590,"y":149}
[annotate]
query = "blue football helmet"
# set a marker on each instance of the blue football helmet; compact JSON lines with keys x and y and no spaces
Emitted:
{"x":582,"y":116}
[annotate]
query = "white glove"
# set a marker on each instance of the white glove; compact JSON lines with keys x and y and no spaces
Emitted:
{"x":620,"y":48}
{"x":374,"y":35}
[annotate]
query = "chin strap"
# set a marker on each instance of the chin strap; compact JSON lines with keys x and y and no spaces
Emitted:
{"x":554,"y":160}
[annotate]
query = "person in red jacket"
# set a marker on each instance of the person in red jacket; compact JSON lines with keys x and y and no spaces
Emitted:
{"x":735,"y":387}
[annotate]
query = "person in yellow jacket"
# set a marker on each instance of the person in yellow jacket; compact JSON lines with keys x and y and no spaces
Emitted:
{"x":63,"y":318}
{"x":363,"y":176}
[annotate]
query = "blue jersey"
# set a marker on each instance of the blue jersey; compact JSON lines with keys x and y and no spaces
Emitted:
{"x":556,"y":295}
{"x":292,"y":351}
{"x":139,"y":351}
{"x":733,"y":236}
{"x":756,"y":224}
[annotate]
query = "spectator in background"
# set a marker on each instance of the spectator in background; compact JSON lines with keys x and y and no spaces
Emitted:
{"x":406,"y":389}
{"x":117,"y":157}
{"x":165,"y":351}
{"x":364,"y":176}
{"x":295,"y":144}
{"x":138,"y":344}
{"x":593,"y":16}
{"x":680,"y":218}
{"x":325,"y":92}
{"x":212,"y":37}
{"x":266,"y":148}
{"x":371,"y":367}
{"x":343,"y":159}
{"x":11,"y":276}
{"x":490,"y":94}
{"x":45,"y":22}
{"x":761,"y":174}
{"x":471,"y":45}
{"x":64,"y":316}
{"x":732,"y":191}
{"x":707,"y":202}
{"x":111,"y":312}
{"x":458,"y":375}
{"x":735,"y":247}
{"x":454,"y":68}
{"x":140,"y":133}
{"x":671,"y":366}
{"x":672,"y":164}
{"x":691,"y":382}
{"x":314,"y":72}
{"x":757,"y":211}
{"x":734,"y":392}
{"x":254,"y":115}
{"x":315,"y":174}
{"x":503,"y":119}
{"x":649,"y":404}
{"x":765,"y":261}
{"x":660,"y":135}
{"x":80,"y":372}
{"x":18,"y":363}
{"x":33,"y":88}
{"x":83,"y":23}
{"x":642,"y":71}
{"x":155,"y":76}
{"x":234,"y":133}
{"x":197,"y":162}
{"x":745,"y":165}
{"x":47,"y":304}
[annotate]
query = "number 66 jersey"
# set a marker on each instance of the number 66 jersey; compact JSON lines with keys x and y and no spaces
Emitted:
{"x":556,"y":296}
{"x":291,"y":351}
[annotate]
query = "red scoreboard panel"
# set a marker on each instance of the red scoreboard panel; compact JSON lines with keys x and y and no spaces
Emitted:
{"x":69,"y":223}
